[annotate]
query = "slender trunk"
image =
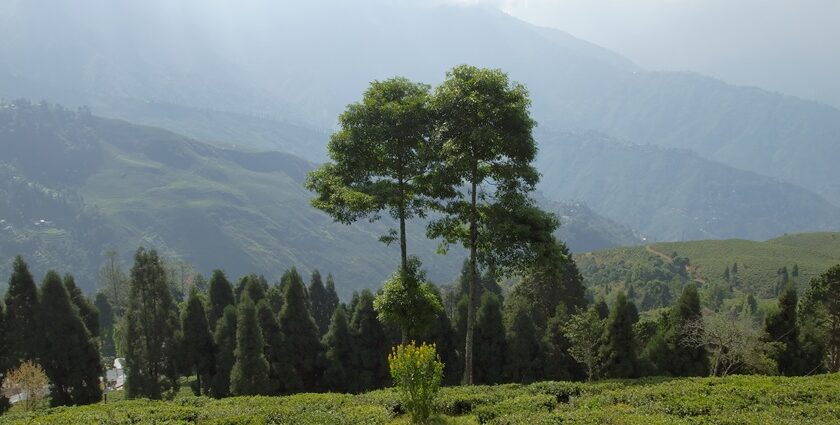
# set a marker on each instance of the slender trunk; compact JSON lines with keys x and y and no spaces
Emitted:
{"x":403,"y":243}
{"x":468,"y":350}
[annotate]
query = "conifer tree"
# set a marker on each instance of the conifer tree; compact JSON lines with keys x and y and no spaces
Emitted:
{"x":278,"y":368}
{"x":338,"y":342}
{"x":676,"y":357}
{"x":782,"y":327}
{"x":249,"y":375}
{"x":106,"y":325}
{"x":441,"y":333}
{"x":151,"y":322}
{"x":370,"y":346}
{"x":559,"y":364}
{"x":332,"y":295}
{"x":220,"y":296}
{"x":69,"y":354}
{"x":89,"y":313}
{"x":198,"y":347}
{"x":255,"y":286}
{"x":320,"y":300}
{"x":619,"y":349}
{"x":490,"y":347}
{"x":303,"y":347}
{"x":523,"y":356}
{"x":602,"y":308}
{"x":225,"y":339}
{"x":22,"y":332}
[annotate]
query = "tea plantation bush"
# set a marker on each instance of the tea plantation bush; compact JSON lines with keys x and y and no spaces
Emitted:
{"x":732,"y":400}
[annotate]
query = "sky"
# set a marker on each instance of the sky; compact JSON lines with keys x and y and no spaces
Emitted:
{"x":789,"y":46}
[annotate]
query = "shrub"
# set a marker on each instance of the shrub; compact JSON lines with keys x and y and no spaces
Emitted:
{"x":28,"y":382}
{"x":417,"y":372}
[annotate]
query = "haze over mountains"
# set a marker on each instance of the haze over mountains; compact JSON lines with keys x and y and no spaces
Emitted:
{"x":671,"y":156}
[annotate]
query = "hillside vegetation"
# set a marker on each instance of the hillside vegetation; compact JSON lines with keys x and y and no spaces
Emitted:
{"x":654,"y":401}
{"x":705,"y":262}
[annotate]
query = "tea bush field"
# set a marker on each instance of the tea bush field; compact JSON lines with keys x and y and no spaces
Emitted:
{"x":653,"y":401}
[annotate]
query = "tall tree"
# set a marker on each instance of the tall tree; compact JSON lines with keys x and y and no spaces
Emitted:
{"x":338,"y":342}
{"x":782,"y":328}
{"x":69,"y":353}
{"x":4,"y":359}
{"x":371,"y":346}
{"x":278,"y":368}
{"x":441,"y":333}
{"x":559,"y":365}
{"x":255,"y":286}
{"x":106,"y":325}
{"x":671,"y":353}
{"x":151,"y":322}
{"x":619,"y":348}
{"x":198,"y":347}
{"x":821,"y":308}
{"x":88,"y":311}
{"x":303,"y":347}
{"x":22,"y":332}
{"x":220,"y":296}
{"x":225,"y":339}
{"x":482,"y":139}
{"x":379,"y":160}
{"x":524,"y":361}
{"x":490,"y":347}
{"x":584,"y":330}
{"x":321,"y":301}
{"x":250,"y":371}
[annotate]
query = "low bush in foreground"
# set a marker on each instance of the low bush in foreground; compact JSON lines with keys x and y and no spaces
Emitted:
{"x":731,"y":400}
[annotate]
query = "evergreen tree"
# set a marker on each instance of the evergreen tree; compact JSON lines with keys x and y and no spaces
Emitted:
{"x":89,"y":313}
{"x":220,"y":296}
{"x":321,"y":301}
{"x":69,"y":353}
{"x":225,"y":339}
{"x":198,"y":347}
{"x":338,"y":342}
{"x":250,"y":371}
{"x":523,"y":356}
{"x":332,"y":295}
{"x":255,"y":286}
{"x":602,"y":308}
{"x":559,"y":364}
{"x":551,"y":282}
{"x":735,"y":268}
{"x":677,"y":358}
{"x":795,"y":271}
{"x":274,"y":297}
{"x":303,"y":348}
{"x":781,"y":327}
{"x":489,"y":341}
{"x":619,"y":349}
{"x":370,"y":346}
{"x":441,"y":333}
{"x":151,"y":322}
{"x":726,"y":275}
{"x":22,"y":332}
{"x":272,"y":348}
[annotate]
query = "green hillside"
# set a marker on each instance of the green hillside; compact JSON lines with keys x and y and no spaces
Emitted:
{"x":758,"y":265}
{"x":657,"y":401}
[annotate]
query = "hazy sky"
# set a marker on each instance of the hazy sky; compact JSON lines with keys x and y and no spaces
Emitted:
{"x":791,"y":46}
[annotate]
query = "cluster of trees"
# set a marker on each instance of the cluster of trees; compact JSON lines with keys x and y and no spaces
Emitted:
{"x":55,"y":326}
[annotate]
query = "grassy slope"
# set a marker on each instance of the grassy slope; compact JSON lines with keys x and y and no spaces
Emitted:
{"x":731,"y":400}
{"x":758,"y":262}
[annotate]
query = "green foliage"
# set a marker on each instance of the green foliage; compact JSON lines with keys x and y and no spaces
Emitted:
{"x":89,"y":313}
{"x":821,"y":307}
{"x":197,"y":346}
{"x":339,"y":353}
{"x":407,"y":301}
{"x":371,"y":346}
{"x":219,"y":297}
{"x":524,"y":361}
{"x":250,"y":373}
{"x":252,"y":285}
{"x":21,"y":314}
{"x":323,"y":300}
{"x":490,"y":345}
{"x":670,"y":351}
{"x":106,"y":325}
{"x":151,"y":322}
{"x":272,"y":348}
{"x":69,"y":353}
{"x":781,"y":327}
{"x":618,"y":351}
{"x":417,"y":373}
{"x":584,"y":331}
{"x":225,"y":339}
{"x":302,"y":345}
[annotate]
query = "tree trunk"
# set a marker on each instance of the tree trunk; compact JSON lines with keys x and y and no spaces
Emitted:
{"x":403,"y":243}
{"x":468,"y":349}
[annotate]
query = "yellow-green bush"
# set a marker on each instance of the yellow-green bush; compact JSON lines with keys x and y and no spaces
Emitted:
{"x":417,"y":373}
